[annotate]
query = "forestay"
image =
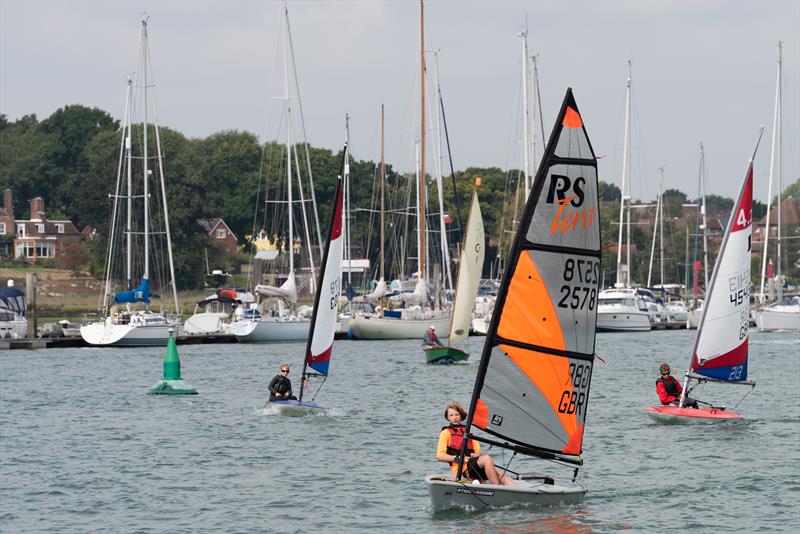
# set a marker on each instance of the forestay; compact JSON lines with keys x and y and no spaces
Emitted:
{"x":532,"y":388}
{"x":721,"y":344}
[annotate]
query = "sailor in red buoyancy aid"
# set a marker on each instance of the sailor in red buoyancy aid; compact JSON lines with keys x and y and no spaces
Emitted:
{"x":669,"y":390}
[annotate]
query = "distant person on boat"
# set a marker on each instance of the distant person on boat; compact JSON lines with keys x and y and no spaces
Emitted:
{"x":669,"y":390}
{"x":430,"y":339}
{"x":281,"y":387}
{"x":476,"y":466}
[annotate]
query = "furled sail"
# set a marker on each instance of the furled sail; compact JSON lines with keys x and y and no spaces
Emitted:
{"x":326,"y":305}
{"x":470,"y":267}
{"x":140,"y":294}
{"x":532,"y":388}
{"x":287,"y":291}
{"x":721,"y":344}
{"x":378,"y":293}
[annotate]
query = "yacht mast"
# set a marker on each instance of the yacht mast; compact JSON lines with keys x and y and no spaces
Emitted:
{"x":383,"y":192}
{"x":525,"y":120}
{"x":290,"y":205}
{"x":442,"y":227}
{"x":704,"y":225}
{"x":421,"y":183}
{"x":622,"y":279}
{"x":145,"y":163}
{"x":775,"y":154}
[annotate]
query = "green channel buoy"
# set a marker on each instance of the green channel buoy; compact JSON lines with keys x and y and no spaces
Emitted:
{"x":172,"y":383}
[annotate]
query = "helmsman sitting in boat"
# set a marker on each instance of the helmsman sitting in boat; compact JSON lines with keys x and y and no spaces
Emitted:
{"x":280,"y":388}
{"x":430,"y":339}
{"x":477,"y":466}
{"x":669,"y":390}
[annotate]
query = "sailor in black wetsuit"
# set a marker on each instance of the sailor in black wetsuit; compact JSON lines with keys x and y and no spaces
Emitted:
{"x":281,"y":387}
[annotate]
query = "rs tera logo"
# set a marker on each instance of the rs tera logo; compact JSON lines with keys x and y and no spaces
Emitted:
{"x":567,"y":221}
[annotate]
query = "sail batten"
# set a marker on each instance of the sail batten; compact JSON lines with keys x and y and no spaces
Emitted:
{"x":532,"y":388}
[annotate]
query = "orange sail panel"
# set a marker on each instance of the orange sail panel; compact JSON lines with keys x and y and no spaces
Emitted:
{"x":533,"y":382}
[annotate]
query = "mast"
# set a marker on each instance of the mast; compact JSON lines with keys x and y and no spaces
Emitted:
{"x":655,"y":234}
{"x":305,"y":141}
{"x":290,"y":205}
{"x":442,"y":227}
{"x":525,"y":121}
{"x":622,"y":280}
{"x":383,"y":193}
{"x":778,"y":149}
{"x":661,"y":229}
{"x":422,"y":249}
{"x":703,"y":214}
{"x":129,"y":161}
{"x":775,"y":154}
{"x":145,"y":165}
{"x":347,"y":205}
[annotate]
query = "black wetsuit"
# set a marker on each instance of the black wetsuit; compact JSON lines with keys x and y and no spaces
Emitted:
{"x":280,"y":384}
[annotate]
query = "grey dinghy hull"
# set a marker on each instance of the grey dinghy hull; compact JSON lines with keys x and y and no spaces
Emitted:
{"x":446,"y":493}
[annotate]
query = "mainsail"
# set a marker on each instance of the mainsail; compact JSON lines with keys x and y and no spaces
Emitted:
{"x":326,"y":300}
{"x":532,"y":388}
{"x":470,"y":267}
{"x":721,"y":345}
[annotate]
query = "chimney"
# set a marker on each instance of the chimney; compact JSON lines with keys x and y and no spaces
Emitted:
{"x":37,"y":209}
{"x":8,"y":203}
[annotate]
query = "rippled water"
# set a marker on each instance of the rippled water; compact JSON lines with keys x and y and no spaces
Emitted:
{"x":83,"y":448}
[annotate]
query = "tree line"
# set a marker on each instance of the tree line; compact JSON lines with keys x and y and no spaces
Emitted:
{"x":70,"y":159}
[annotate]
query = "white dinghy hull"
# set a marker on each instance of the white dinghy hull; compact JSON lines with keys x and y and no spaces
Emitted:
{"x":293,"y":408}
{"x":446,"y":493}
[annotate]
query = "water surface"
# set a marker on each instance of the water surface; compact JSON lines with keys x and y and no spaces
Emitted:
{"x":84,"y":449}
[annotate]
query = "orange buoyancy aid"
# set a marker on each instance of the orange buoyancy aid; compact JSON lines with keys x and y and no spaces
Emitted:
{"x":457,"y":440}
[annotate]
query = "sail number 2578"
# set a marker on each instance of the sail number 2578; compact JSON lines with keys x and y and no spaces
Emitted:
{"x":574,"y":295}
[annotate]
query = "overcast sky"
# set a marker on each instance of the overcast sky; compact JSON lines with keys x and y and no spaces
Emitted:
{"x":702,"y":71}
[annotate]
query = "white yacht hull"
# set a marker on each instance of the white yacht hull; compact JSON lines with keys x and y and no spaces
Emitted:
{"x":369,"y":327}
{"x":622,"y":321}
{"x":778,"y":317}
{"x":207,"y":323}
{"x":15,"y":329}
{"x":693,"y":318}
{"x":446,"y":493}
{"x":270,"y":330}
{"x":108,"y":334}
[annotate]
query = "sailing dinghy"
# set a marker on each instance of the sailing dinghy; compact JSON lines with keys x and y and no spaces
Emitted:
{"x":470,"y":267}
{"x":532,"y":389}
{"x":319,"y":346}
{"x":721,"y":344}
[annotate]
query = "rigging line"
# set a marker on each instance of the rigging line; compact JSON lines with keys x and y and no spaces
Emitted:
{"x":745,"y":396}
{"x":452,"y":173}
{"x":319,"y":388}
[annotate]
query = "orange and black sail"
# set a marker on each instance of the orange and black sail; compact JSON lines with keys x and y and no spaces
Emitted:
{"x":532,"y":388}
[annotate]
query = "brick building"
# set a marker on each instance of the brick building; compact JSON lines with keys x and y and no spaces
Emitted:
{"x":220,"y":233}
{"x":37,"y":237}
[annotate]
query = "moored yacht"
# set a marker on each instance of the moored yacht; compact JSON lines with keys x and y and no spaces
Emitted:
{"x":622,"y":310}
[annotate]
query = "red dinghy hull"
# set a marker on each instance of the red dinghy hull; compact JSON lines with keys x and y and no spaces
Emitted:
{"x":673,"y":414}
